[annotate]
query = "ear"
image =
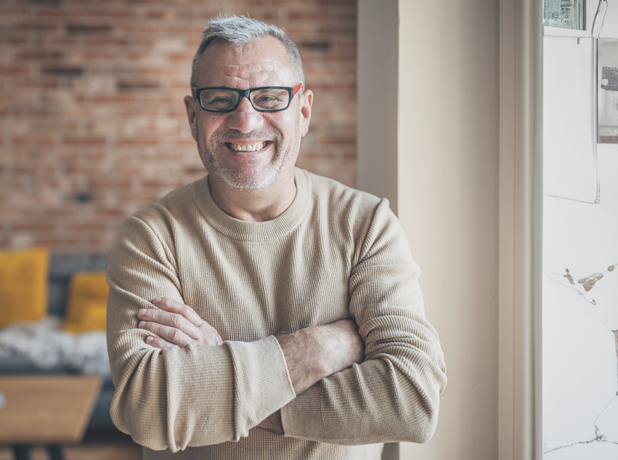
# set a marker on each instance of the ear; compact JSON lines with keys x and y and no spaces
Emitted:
{"x":191,"y":115}
{"x":305,"y":110}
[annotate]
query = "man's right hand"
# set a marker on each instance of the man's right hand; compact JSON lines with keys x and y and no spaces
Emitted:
{"x":176,"y":324}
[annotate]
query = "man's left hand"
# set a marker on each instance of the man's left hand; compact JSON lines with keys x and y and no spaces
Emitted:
{"x":176,"y":324}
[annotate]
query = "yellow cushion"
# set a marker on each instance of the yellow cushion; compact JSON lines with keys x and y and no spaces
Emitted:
{"x":23,"y":285}
{"x":87,"y":307}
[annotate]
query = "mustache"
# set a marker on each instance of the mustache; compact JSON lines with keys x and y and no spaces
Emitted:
{"x":234,"y":135}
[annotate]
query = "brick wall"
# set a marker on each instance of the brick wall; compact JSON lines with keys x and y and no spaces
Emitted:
{"x":93,"y":125}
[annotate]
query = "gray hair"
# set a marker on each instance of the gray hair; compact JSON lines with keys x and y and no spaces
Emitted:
{"x":240,"y":30}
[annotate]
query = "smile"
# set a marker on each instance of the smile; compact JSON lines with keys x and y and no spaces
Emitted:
{"x":247,"y":147}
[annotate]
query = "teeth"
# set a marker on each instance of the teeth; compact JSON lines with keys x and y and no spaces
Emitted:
{"x":247,"y":147}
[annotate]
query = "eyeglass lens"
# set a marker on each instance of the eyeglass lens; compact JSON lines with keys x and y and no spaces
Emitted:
{"x":263,"y":99}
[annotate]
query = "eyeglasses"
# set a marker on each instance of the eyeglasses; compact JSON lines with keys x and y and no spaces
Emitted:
{"x":263,"y":99}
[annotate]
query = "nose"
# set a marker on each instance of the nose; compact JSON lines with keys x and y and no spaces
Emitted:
{"x":245,"y":118}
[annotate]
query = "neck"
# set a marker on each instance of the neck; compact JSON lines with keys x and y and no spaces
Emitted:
{"x":254,"y":205}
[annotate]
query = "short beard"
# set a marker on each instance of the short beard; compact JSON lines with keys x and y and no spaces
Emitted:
{"x":245,"y":177}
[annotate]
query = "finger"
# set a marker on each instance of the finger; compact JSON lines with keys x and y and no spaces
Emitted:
{"x":211,"y":336}
{"x":171,"y":334}
{"x":169,"y":319}
{"x":158,"y":342}
{"x":180,"y":308}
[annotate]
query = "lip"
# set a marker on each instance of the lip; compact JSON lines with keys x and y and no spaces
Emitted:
{"x":246,"y":141}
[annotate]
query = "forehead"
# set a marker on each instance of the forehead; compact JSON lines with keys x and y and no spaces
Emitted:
{"x":260,"y":63}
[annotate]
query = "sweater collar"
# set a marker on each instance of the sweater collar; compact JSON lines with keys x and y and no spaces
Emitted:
{"x":255,"y":231}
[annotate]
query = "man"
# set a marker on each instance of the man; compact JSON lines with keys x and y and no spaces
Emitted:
{"x":264,"y":312}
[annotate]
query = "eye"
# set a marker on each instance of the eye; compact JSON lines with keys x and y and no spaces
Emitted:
{"x":269,"y":99}
{"x":218,"y":99}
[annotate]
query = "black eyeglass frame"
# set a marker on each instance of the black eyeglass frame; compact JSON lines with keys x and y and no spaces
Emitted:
{"x":292,"y":91}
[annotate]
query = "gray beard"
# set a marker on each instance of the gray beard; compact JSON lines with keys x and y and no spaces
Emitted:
{"x":245,"y":177}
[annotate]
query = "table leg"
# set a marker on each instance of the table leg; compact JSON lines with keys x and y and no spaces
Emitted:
{"x":55,"y":452}
{"x":21,"y":451}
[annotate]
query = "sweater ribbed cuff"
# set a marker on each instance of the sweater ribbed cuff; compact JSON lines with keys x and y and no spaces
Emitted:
{"x":261,"y":380}
{"x":302,"y":417}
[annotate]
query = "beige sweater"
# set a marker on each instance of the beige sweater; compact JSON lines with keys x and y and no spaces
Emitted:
{"x":334,"y":253}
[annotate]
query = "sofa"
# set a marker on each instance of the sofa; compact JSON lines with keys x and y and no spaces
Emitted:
{"x":61,"y":268}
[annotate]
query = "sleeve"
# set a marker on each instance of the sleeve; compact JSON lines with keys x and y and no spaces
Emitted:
{"x":179,"y":397}
{"x":394,"y":394}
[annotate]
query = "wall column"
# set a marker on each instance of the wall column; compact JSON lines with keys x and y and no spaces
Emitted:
{"x":446,"y":189}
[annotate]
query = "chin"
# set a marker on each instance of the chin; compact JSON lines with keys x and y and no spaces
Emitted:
{"x":244,"y":178}
{"x":245,"y":183}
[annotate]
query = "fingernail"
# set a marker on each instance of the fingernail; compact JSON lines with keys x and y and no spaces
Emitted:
{"x":156,"y":300}
{"x":142,"y":312}
{"x":149,"y":339}
{"x":141,"y":324}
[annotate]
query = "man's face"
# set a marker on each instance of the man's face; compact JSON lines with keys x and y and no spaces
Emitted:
{"x":247,"y":149}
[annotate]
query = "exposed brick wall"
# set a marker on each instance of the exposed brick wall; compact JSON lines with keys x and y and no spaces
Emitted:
{"x":93,"y":125}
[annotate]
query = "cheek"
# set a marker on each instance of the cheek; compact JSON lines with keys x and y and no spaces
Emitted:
{"x":208,"y":130}
{"x":210,"y":122}
{"x":289,"y":129}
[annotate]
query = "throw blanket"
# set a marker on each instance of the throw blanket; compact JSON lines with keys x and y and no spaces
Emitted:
{"x":46,"y":345}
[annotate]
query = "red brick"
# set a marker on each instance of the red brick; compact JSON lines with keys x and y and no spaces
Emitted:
{"x":34,"y":140}
{"x":15,"y":69}
{"x":84,"y":140}
{"x":33,"y":226}
{"x":113,"y":98}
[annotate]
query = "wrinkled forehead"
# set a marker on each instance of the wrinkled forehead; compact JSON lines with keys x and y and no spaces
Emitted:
{"x":263,"y":62}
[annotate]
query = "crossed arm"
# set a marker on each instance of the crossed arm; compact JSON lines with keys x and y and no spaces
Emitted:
{"x":311,"y":354}
{"x":308,"y":377}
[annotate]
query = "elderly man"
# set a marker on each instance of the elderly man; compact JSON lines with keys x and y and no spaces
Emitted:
{"x":264,"y":312}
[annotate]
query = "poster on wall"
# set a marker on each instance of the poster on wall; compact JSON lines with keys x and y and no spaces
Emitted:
{"x":565,"y":14}
{"x":569,"y":162}
{"x":607,"y":91}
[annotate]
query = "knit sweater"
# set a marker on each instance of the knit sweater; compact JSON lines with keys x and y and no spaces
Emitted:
{"x":335,"y":253}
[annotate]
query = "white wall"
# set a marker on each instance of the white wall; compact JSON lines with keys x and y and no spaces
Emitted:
{"x":447,"y":200}
{"x":580,"y":322}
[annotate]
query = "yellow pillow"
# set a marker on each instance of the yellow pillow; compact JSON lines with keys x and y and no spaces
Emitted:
{"x":87,"y":307}
{"x":23,"y":285}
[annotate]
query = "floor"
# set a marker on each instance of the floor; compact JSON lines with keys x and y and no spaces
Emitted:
{"x":95,"y":446}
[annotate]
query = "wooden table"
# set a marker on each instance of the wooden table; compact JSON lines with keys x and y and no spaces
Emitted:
{"x":50,"y":410}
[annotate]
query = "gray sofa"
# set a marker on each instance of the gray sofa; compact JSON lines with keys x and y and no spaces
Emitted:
{"x":62,"y":266}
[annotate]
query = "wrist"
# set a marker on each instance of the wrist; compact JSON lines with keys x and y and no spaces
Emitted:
{"x":303,"y":356}
{"x":314,"y":353}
